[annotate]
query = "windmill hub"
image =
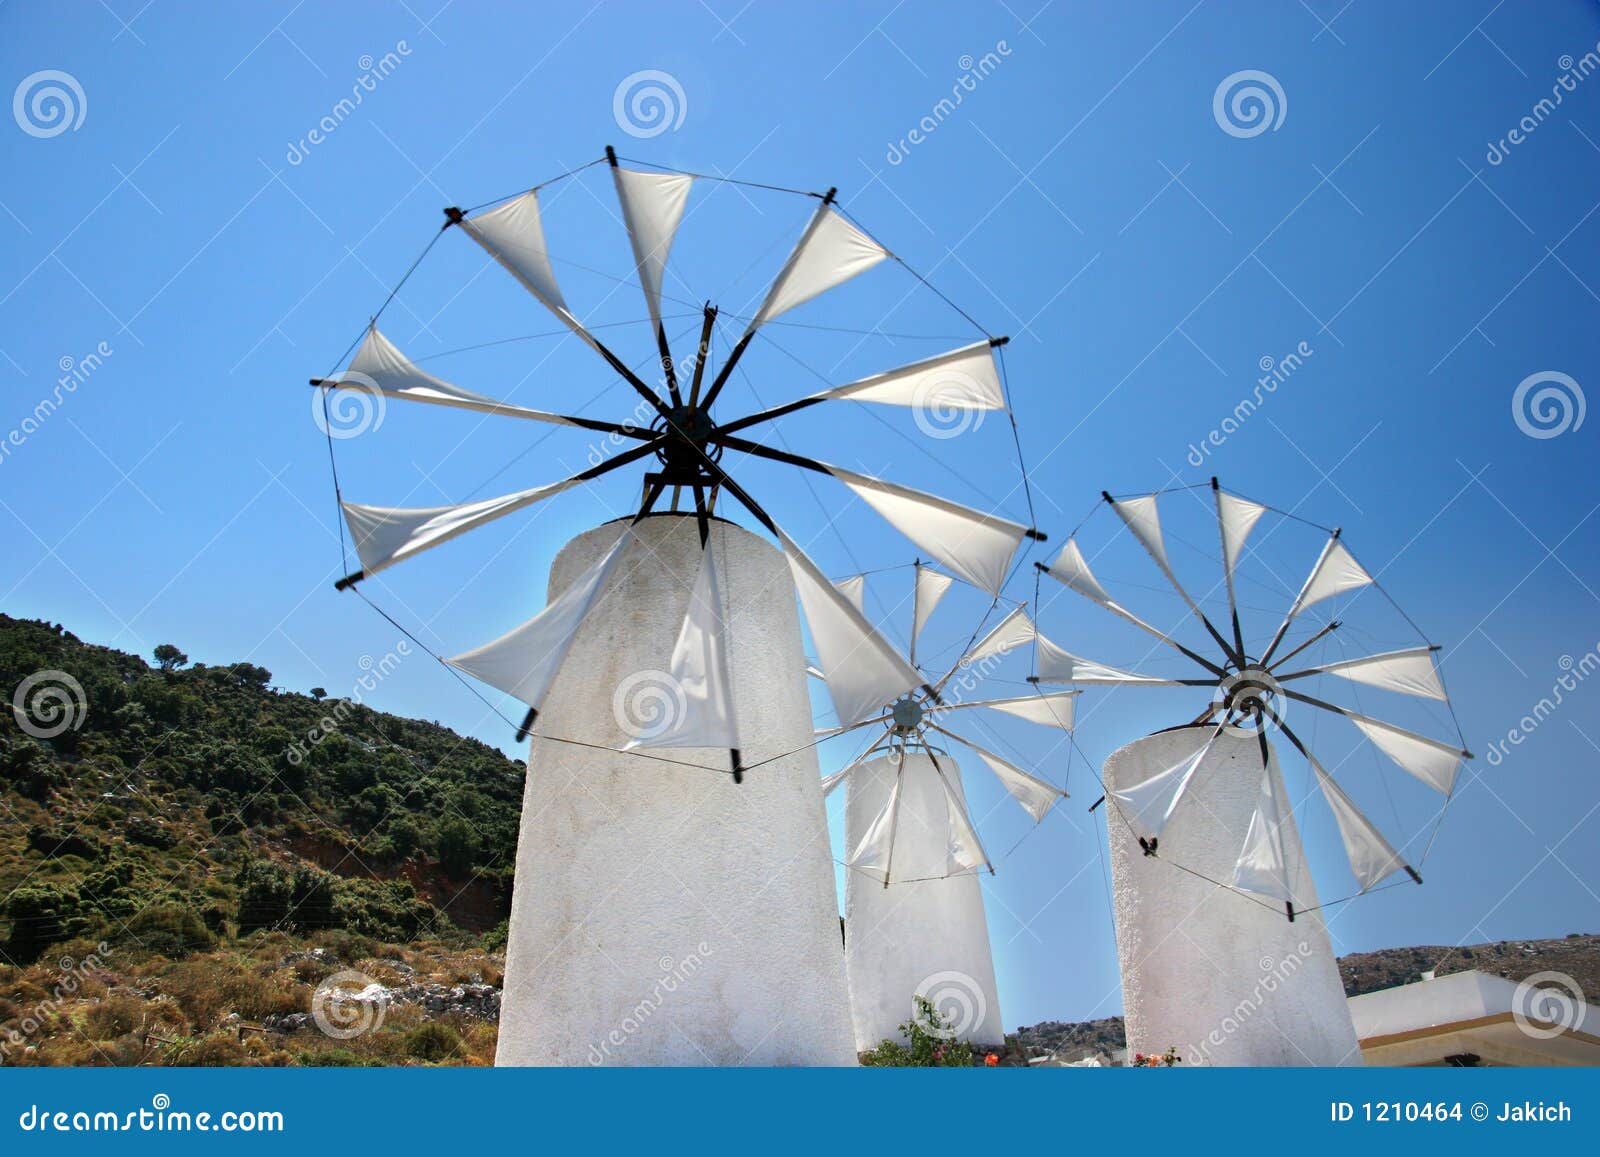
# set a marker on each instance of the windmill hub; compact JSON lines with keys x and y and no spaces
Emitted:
{"x":1250,"y":692}
{"x":907,"y":715}
{"x":691,"y":442}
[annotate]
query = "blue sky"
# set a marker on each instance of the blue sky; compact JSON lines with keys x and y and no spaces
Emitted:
{"x":1083,"y":198}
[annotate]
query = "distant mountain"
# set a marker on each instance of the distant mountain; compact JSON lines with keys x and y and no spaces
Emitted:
{"x":1577,"y":955}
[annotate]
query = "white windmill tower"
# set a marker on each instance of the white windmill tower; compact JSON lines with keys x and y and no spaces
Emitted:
{"x":914,"y":917}
{"x":1220,"y":933}
{"x":677,"y":908}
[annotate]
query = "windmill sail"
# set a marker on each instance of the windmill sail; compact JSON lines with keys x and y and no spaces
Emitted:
{"x":1013,"y":631}
{"x":977,"y":547}
{"x":384,"y":535}
{"x":1263,"y":866}
{"x":1057,"y":665}
{"x":652,"y":207}
{"x":704,"y":715}
{"x":964,"y":379}
{"x":930,"y":587}
{"x":963,"y":850}
{"x":1237,"y":517}
{"x":1431,"y":761}
{"x":1049,"y":708}
{"x":830,"y":252}
{"x":379,"y":364}
{"x":513,"y":234}
{"x":1371,"y":857}
{"x":875,"y":851}
{"x":1149,"y":804}
{"x":1410,"y":672}
{"x":524,"y":662}
{"x":862,"y":671}
{"x":854,"y":588}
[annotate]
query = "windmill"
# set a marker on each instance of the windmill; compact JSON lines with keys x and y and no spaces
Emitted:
{"x":1200,"y":819}
{"x":914,"y":918}
{"x":680,"y":613}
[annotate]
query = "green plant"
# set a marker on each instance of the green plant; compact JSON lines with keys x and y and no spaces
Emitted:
{"x":930,"y":1043}
{"x":433,"y":1041}
{"x":1157,"y":1061}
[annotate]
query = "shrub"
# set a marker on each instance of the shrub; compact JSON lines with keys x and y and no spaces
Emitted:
{"x":929,"y":1043}
{"x":432,"y":1042}
{"x":171,"y":930}
{"x":113,"y":1017}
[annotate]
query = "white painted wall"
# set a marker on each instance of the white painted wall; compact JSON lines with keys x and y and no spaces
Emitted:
{"x":1226,"y":980}
{"x":923,"y":933}
{"x":664,"y":915}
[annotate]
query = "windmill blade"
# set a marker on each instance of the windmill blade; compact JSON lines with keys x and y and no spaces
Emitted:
{"x":652,"y":207}
{"x":1013,"y":631}
{"x":1142,"y":516}
{"x":863,"y":672}
{"x":964,"y":379}
{"x":1432,"y":761}
{"x":854,"y":588}
{"x":831,"y":783}
{"x":513,"y":234}
{"x":1035,"y":795}
{"x":874,"y":852}
{"x":1335,"y":572}
{"x":1057,"y":665}
{"x":379,"y":367}
{"x":701,"y":714}
{"x":963,"y":849}
{"x":523,"y":662}
{"x":1071,"y":569}
{"x":830,"y":252}
{"x":977,"y":547}
{"x":1148,"y":805}
{"x":1236,"y":518}
{"x":1263,"y":864}
{"x":928,"y":588}
{"x":1047,"y":708}
{"x":385,"y":535}
{"x":1371,"y":857}
{"x":1410,"y":672}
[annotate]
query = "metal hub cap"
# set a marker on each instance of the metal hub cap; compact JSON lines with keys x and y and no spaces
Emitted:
{"x":907,"y":715}
{"x":1251,"y":693}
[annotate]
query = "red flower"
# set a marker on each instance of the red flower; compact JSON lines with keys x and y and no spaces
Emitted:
{"x":991,"y":1060}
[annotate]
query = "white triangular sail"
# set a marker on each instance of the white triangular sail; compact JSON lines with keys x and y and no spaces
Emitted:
{"x":962,"y":380}
{"x":513,"y":234}
{"x":1142,"y":516}
{"x":830,"y":251}
{"x":963,"y":850}
{"x":384,"y":535}
{"x":1035,"y":795}
{"x":1372,"y":859}
{"x":863,"y":672}
{"x":524,"y":662}
{"x":1410,"y":672}
{"x":1072,"y":569}
{"x":930,"y":587}
{"x":1431,"y":761}
{"x":1149,"y":804}
{"x":1047,"y":708}
{"x":874,"y":852}
{"x":1057,"y":665}
{"x":1013,"y":631}
{"x":380,"y":364}
{"x":831,"y":783}
{"x":976,"y":547}
{"x":701,"y":713}
{"x":854,"y":588}
{"x":652,"y":207}
{"x":1336,"y":571}
{"x":1237,"y":517}
{"x":1263,"y":866}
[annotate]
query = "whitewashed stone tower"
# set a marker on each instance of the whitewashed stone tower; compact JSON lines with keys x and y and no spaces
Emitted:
{"x":926,"y":931}
{"x":1226,"y":979}
{"x":664,"y":915}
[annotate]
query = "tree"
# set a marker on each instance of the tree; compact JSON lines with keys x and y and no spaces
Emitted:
{"x":251,"y":675}
{"x":169,"y":657}
{"x":456,"y":845}
{"x":319,"y":694}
